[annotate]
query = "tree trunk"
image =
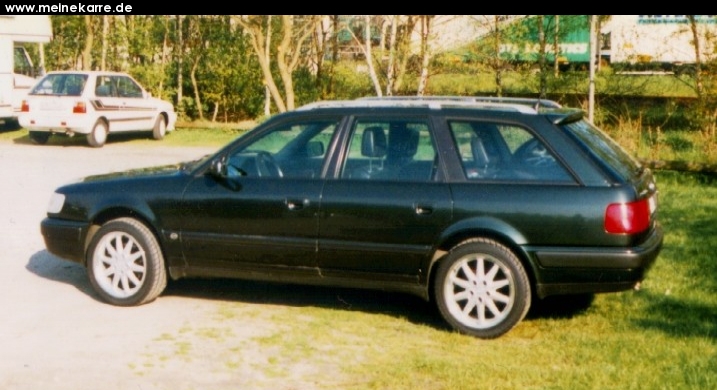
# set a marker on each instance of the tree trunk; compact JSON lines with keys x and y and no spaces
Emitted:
{"x":179,"y":48}
{"x":498,"y":62}
{"x":282,"y":56}
{"x":390,"y":68}
{"x":87,"y":50}
{"x":267,"y":58}
{"x":369,"y":57}
{"x":105,"y":38}
{"x":425,"y":53}
{"x":404,"y":51}
{"x":699,"y":84}
{"x":542,"y":42}
{"x":556,"y":46}
{"x":195,"y":86}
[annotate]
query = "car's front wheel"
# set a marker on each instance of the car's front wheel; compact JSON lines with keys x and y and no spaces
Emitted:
{"x":482,"y":288}
{"x":160,"y":128}
{"x":98,"y":136}
{"x":39,"y":137}
{"x":125,"y":263}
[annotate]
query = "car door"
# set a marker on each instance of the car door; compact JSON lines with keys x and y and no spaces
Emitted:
{"x":261,"y":212}
{"x":383,"y":213}
{"x":137,"y":112}
{"x":107,"y":102}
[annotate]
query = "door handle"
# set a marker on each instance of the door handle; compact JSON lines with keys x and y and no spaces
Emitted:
{"x":296,"y":204}
{"x":423,"y":209}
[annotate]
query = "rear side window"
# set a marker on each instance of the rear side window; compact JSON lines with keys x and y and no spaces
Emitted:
{"x":497,"y":151}
{"x":61,"y":85}
{"x":603,"y":148}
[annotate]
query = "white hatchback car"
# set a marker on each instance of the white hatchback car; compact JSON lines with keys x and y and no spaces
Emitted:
{"x":94,"y":103}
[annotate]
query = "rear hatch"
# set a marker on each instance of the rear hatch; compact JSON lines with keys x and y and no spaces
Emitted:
{"x":635,"y":216}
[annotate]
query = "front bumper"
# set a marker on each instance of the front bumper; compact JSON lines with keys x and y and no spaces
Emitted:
{"x":65,"y":239}
{"x":594,"y":270}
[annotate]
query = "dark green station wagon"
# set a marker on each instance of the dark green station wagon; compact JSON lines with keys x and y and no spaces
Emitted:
{"x":481,"y":205}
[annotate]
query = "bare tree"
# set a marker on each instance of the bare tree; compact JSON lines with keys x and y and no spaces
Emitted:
{"x":289,"y":50}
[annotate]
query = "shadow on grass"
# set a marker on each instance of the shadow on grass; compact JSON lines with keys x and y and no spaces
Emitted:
{"x":677,"y":317}
{"x":560,"y":306}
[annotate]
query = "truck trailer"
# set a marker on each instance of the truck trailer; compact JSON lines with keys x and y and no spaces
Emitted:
{"x":628,"y":42}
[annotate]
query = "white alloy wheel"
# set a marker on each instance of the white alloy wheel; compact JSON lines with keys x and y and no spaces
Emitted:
{"x":482,"y":289}
{"x":125,"y":264}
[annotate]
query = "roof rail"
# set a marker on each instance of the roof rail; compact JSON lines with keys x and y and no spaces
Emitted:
{"x":523,"y":105}
{"x":534,"y":102}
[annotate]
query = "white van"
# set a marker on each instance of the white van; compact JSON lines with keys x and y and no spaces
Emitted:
{"x":17,"y":72}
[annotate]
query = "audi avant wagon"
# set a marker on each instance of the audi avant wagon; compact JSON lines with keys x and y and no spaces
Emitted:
{"x":481,"y":205}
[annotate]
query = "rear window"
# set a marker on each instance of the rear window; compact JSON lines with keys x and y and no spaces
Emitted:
{"x":61,"y":85}
{"x":604,"y":149}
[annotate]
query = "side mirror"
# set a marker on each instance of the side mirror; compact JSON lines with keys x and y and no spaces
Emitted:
{"x":218,"y":167}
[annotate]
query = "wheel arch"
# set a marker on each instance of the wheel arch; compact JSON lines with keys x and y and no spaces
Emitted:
{"x":488,"y":228}
{"x":105,"y":121}
{"x":113,"y":213}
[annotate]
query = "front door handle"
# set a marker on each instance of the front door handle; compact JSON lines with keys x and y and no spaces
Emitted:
{"x":293,"y":204}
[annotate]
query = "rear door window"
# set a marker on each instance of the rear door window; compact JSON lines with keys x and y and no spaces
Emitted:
{"x":497,"y":151}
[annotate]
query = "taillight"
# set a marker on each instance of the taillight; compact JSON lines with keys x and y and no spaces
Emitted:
{"x":25,"y":107}
{"x":628,"y":218}
{"x":79,"y":108}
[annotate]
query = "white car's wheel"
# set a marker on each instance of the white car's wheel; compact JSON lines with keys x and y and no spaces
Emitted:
{"x":482,"y":288}
{"x":160,"y":128}
{"x":39,"y":137}
{"x":125,"y":263}
{"x":98,"y":136}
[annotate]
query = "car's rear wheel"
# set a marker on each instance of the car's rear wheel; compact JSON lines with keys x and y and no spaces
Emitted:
{"x":39,"y":137}
{"x":125,"y":263}
{"x":160,"y":128}
{"x":482,"y":288}
{"x":98,"y":136}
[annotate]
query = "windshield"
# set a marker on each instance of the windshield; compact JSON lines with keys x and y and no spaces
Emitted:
{"x":61,"y":85}
{"x":604,"y":149}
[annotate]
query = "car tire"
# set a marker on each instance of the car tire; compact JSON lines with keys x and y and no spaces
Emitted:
{"x":125,"y":263}
{"x":39,"y":137}
{"x":98,"y":136}
{"x":160,"y":128}
{"x":482,"y":289}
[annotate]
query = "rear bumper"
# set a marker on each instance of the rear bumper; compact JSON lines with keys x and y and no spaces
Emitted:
{"x":594,"y":270}
{"x":57,"y":124}
{"x":64,"y":238}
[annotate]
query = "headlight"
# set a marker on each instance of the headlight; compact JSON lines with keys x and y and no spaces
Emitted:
{"x":56,"y":203}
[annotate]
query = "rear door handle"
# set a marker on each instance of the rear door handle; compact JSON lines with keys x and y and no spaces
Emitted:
{"x":422,"y":209}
